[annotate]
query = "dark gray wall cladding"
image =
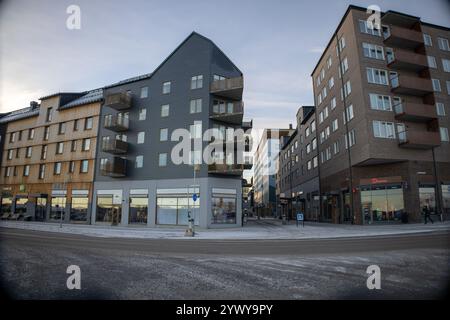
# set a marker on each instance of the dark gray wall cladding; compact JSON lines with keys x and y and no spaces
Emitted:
{"x":196,"y":56}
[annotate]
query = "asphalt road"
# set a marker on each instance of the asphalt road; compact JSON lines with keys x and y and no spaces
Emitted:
{"x":33,"y":266}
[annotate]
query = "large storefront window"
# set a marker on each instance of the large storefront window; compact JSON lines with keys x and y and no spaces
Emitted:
{"x":6,"y":205}
{"x":223,"y":209}
{"x":58,"y":208}
{"x":427,"y":198}
{"x":79,"y":209}
{"x":382,"y":203}
{"x":138,"y":209}
{"x":174,"y":210}
{"x":41,"y":209}
{"x":107,"y":210}
{"x":446,"y":198}
{"x":21,"y":206}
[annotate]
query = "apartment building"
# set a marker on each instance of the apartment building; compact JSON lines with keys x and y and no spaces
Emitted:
{"x":298,"y":179}
{"x":266,"y":158}
{"x":382,"y":99}
{"x":48,"y":155}
{"x":137,"y":182}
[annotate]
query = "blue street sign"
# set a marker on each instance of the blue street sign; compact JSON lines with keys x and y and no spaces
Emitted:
{"x":300,"y":217}
{"x":194,"y":197}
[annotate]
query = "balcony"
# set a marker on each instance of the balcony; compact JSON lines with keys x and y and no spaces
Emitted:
{"x":409,"y":85}
{"x":115,"y":146}
{"x":117,"y":123}
{"x":226,"y":169}
{"x":228,"y":88}
{"x":118,"y":101}
{"x":415,"y":112}
{"x":231,"y":112}
{"x":247,"y":125}
{"x":248,"y":163}
{"x":237,"y":141}
{"x":416,"y":139}
{"x":116,"y":167}
{"x":407,"y":60}
{"x":402,"y":37}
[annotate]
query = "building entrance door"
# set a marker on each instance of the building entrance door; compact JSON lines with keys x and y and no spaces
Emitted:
{"x":40,"y":209}
{"x":346,"y":216}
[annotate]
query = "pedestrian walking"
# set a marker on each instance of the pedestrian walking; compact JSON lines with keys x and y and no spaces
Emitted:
{"x":427,"y":214}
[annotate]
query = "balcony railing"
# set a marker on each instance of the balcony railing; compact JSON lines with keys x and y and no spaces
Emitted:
{"x":410,"y":85}
{"x":402,"y":37}
{"x":226,"y":169}
{"x":116,"y":123}
{"x":407,"y":60}
{"x":414,"y":112}
{"x":231,"y":112}
{"x":115,"y":167}
{"x":229,"y":88}
{"x":418,"y":139}
{"x":114,"y":146}
{"x":118,"y":101}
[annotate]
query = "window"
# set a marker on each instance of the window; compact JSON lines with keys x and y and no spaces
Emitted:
{"x":197,"y":82}
{"x":142,"y":113}
{"x":49,"y":116}
{"x":380,"y":102}
{"x":26,"y":171}
{"x":315,"y":162}
{"x":436,"y":85}
{"x":139,"y":162}
{"x":20,"y":136}
{"x":30,"y":134}
{"x":309,"y":165}
{"x":427,"y":40}
{"x":59,"y":147}
{"x":144,"y":92}
{"x":446,"y":65}
{"x":57,"y":168}
{"x":84,"y":168}
{"x":71,"y":166}
{"x":344,"y":67}
{"x":443,"y":44}
{"x":331,"y":83}
{"x":162,"y":159}
{"x":73,"y":146}
{"x":10,"y":154}
{"x":350,"y":114}
{"x":61,"y":128}
{"x":163,"y":134}
{"x":218,"y":78}
{"x":321,"y":117}
{"x":86,"y":146}
{"x":28,"y":152}
{"x":76,"y":125}
{"x":46,"y":133}
{"x":329,"y":62}
{"x":166,"y":87}
{"x":336,"y":147}
{"x":308,"y":148}
{"x":165,"y":110}
{"x":44,"y":152}
{"x":88,"y":123}
{"x":307,"y":132}
{"x":17,"y":153}
{"x":382,"y":129}
{"x":350,"y":139}
{"x":314,"y":144}
{"x":335,"y":125}
{"x":324,"y":93}
{"x":12,"y":137}
{"x":141,"y":137}
{"x":313,"y":126}
{"x":432,"y":62}
{"x":373,"y":51}
{"x":333,"y":103}
{"x":41,"y":171}
{"x":440,"y":109}
{"x":364,"y":27}
{"x":340,"y":46}
{"x":444,"y":134}
{"x":196,"y":106}
{"x":377,"y":76}
{"x":448,"y":86}
{"x":346,"y":90}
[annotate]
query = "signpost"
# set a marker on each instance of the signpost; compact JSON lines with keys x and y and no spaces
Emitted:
{"x":301,"y":218}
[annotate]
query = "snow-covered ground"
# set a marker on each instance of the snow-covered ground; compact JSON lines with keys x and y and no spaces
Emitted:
{"x":263,"y":229}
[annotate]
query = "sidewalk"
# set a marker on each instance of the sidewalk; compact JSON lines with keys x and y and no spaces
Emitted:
{"x":264,"y":229}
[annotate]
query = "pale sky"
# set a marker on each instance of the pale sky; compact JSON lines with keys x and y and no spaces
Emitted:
{"x":275,"y":43}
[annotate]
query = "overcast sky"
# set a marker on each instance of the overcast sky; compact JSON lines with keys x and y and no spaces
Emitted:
{"x":275,"y":43}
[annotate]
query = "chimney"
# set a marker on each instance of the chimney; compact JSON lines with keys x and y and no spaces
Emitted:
{"x":33,"y":105}
{"x":290,"y":126}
